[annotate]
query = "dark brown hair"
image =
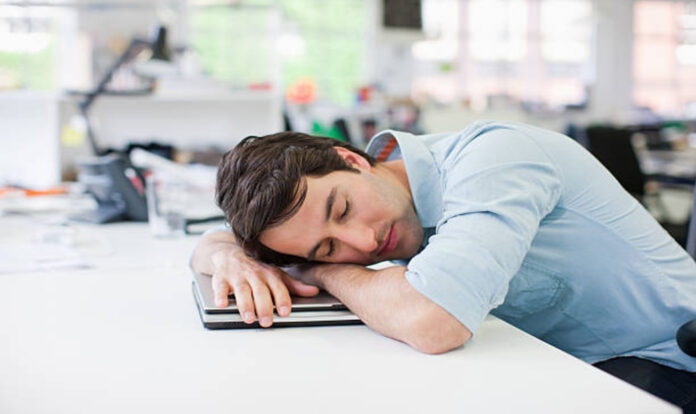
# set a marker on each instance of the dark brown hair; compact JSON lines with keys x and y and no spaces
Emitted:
{"x":260,"y":183}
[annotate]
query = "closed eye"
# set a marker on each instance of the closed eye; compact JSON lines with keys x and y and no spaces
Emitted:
{"x":345,"y":212}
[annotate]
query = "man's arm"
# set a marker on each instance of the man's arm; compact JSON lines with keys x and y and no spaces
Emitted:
{"x":256,"y":286}
{"x":210,"y":245}
{"x":386,"y":302}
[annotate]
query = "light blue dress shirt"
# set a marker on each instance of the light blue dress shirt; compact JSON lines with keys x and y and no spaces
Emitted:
{"x":526,"y":224}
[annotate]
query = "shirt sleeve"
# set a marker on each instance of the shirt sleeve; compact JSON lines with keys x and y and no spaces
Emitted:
{"x":496,"y":190}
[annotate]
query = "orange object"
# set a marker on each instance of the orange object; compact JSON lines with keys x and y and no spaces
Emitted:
{"x":303,"y":91}
{"x":32,"y":193}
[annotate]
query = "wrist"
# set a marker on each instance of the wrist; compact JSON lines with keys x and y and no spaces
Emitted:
{"x":305,"y":273}
{"x":325,"y":274}
{"x":221,"y":256}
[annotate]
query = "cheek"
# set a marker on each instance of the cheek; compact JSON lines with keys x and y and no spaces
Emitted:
{"x":413,"y":236}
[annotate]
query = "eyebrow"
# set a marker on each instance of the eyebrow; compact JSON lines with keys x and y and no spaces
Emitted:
{"x":329,"y":206}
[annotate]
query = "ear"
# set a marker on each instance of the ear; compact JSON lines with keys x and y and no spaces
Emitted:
{"x":353,"y":159}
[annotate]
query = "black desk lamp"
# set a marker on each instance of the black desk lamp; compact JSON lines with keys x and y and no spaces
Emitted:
{"x":117,"y":186}
{"x":160,"y":51}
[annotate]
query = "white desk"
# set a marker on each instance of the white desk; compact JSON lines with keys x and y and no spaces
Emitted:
{"x":124,"y":336}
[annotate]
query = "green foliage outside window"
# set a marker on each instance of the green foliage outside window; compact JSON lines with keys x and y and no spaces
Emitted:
{"x":235,"y":44}
{"x":34,"y":71}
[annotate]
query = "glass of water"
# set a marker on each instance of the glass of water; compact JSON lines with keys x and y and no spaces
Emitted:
{"x":166,"y":205}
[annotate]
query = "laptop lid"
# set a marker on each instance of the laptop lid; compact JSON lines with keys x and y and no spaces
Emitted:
{"x":233,"y":320}
{"x":321,"y":302}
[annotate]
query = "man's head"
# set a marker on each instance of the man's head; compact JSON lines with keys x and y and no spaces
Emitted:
{"x":292,"y":198}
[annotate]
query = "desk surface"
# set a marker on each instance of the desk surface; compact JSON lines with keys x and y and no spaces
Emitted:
{"x":123,"y":335}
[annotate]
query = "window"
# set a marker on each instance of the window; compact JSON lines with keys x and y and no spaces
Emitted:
{"x":497,"y":30}
{"x":262,"y":40}
{"x":664,"y":56}
{"x":29,"y":47}
{"x":235,"y":43}
{"x":538,"y":51}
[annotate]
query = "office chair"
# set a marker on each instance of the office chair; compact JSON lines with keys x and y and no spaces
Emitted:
{"x":613,"y":147}
{"x":686,"y":338}
{"x":686,"y":334}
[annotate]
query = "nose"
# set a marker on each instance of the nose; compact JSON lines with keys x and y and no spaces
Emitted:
{"x":361,"y":238}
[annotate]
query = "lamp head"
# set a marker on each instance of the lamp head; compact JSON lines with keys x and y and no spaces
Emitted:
{"x":160,"y":48}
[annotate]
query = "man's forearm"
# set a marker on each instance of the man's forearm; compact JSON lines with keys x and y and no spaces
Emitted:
{"x":386,"y":302}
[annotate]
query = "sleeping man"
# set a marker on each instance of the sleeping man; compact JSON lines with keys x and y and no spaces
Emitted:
{"x":499,"y":218}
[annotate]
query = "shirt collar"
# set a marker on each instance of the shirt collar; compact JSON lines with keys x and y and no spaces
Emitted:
{"x":421,"y":169}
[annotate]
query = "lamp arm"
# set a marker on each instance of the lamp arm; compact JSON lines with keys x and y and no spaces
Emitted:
{"x":135,"y":46}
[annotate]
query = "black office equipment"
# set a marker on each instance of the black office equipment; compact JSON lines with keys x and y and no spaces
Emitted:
{"x":402,"y":14}
{"x":613,"y":147}
{"x":117,"y":187}
{"x":342,"y":126}
{"x":686,"y":338}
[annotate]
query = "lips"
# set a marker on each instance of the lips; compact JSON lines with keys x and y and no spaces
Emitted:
{"x":389,"y":242}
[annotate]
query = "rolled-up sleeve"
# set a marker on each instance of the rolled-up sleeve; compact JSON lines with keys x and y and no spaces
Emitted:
{"x":496,"y":190}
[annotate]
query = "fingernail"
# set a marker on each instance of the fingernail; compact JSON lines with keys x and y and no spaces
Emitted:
{"x":284,"y":310}
{"x":249,"y":317}
{"x":265,"y":321}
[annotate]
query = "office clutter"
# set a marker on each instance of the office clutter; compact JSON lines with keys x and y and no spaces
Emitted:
{"x":117,"y":187}
{"x":648,"y":165}
{"x":178,"y":196}
{"x":167,"y":204}
{"x":121,"y":190}
{"x":53,"y":246}
{"x":175,"y":198}
{"x":371,"y":112}
{"x":48,"y":241}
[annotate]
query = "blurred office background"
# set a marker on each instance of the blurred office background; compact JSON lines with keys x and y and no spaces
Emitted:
{"x":346,"y":69}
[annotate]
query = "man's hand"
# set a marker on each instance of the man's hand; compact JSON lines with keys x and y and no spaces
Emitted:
{"x":256,"y":286}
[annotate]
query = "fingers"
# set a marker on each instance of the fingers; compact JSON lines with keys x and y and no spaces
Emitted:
{"x":281,"y":296}
{"x":245,"y":303}
{"x":255,"y":293}
{"x":299,"y":288}
{"x":256,"y":286}
{"x":263,"y":302}
{"x":221,"y":290}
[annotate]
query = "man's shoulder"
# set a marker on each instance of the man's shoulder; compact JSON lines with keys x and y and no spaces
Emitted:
{"x":488,"y":143}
